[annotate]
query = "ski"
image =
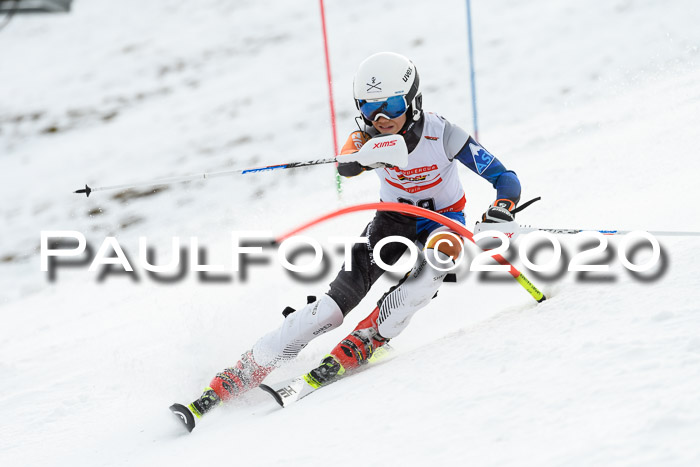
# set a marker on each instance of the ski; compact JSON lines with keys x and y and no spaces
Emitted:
{"x":188,"y":414}
{"x":183,"y":414}
{"x":284,"y":392}
{"x":289,"y":391}
{"x":292,"y":390}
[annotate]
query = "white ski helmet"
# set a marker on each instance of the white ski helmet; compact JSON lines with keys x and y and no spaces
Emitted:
{"x":386,"y":84}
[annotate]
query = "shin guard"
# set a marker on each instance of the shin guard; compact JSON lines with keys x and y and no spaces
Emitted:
{"x":297,"y":330}
{"x":413,"y":293}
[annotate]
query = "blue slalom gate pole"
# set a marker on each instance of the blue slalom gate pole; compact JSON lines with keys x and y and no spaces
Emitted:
{"x":472,"y":74}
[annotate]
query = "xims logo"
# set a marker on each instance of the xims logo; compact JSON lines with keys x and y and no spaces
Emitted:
{"x":384,"y":144}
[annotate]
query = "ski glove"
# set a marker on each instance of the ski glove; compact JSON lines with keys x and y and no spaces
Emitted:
{"x":500,"y":211}
{"x":351,"y":169}
{"x":378,"y":165}
{"x":499,"y":216}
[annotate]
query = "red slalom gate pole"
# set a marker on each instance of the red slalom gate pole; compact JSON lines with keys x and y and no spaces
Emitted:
{"x":421,"y":212}
{"x":330,"y":92}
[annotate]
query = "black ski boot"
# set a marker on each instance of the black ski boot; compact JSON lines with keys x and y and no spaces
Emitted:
{"x":328,"y":371}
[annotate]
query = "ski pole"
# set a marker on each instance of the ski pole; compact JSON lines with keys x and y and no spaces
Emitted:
{"x":388,"y":149}
{"x":657,"y":233}
{"x":185,"y":178}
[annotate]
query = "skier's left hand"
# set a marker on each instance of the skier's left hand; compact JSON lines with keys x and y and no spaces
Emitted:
{"x":499,"y":211}
{"x":498,"y":216}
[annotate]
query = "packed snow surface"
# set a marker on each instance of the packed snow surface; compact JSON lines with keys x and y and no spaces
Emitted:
{"x":595,"y":105}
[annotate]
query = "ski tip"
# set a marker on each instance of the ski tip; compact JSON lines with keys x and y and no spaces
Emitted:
{"x":184,"y":415}
{"x":273,"y":393}
{"x":87,"y":190}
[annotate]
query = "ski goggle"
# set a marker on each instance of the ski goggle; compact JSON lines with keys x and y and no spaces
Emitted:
{"x":392,"y":107}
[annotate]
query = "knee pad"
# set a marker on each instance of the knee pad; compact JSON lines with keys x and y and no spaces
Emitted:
{"x":446,"y":243}
{"x":412,"y":294}
{"x":297,"y":330}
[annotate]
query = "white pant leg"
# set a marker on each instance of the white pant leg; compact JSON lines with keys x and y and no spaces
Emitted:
{"x":411,"y":295}
{"x":297,"y":330}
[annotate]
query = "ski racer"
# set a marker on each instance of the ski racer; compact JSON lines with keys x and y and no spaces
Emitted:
{"x":387,"y":95}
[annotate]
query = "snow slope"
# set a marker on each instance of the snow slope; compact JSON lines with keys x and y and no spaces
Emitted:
{"x":594,"y":104}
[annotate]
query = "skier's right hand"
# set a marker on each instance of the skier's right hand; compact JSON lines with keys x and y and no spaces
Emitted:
{"x":382,"y":149}
{"x":378,"y":165}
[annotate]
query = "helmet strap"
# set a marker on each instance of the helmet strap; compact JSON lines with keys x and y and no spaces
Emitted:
{"x":361,"y":119}
{"x":418,"y":104}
